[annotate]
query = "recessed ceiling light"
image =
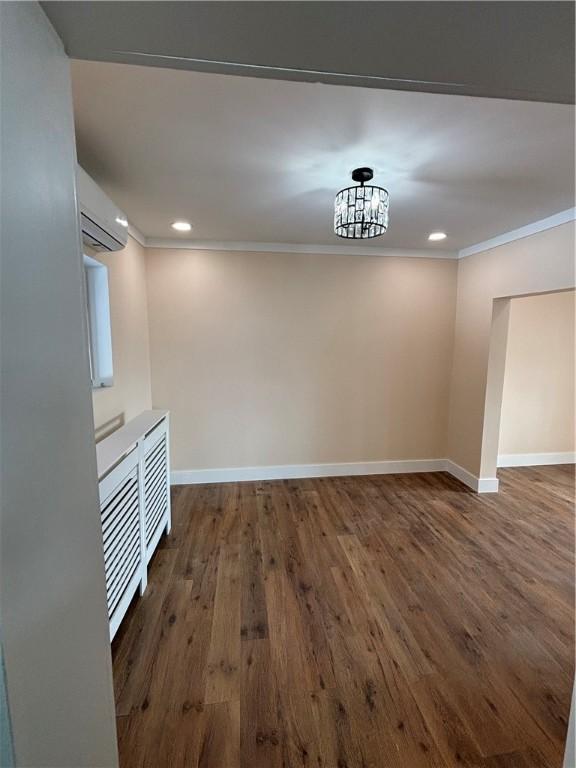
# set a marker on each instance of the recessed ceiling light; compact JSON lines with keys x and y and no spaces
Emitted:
{"x":122,"y":220}
{"x":437,"y":236}
{"x":182,"y":226}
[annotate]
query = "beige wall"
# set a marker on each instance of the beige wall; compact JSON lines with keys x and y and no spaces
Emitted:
{"x":296,"y":358}
{"x":542,"y":262}
{"x":268,"y":359}
{"x":131,"y":393}
{"x":538,"y":400}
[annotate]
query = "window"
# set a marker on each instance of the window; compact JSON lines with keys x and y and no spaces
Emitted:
{"x":99,"y":329}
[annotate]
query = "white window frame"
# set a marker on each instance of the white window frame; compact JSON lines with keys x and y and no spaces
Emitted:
{"x":98,"y":322}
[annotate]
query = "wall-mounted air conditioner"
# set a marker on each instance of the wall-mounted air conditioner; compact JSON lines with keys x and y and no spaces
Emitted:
{"x":104,"y":225}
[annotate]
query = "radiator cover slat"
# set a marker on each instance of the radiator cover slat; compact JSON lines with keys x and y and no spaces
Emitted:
{"x":134,"y":507}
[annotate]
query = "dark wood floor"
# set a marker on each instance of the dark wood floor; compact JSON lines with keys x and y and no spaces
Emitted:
{"x":370,"y":622}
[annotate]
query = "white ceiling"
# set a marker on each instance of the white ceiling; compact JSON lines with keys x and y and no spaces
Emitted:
{"x":256,"y":160}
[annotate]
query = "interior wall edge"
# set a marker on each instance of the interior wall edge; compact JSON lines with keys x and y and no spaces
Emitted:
{"x":53,"y":593}
{"x":541,"y":263}
{"x":538,"y":398}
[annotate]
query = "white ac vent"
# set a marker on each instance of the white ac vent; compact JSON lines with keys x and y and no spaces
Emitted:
{"x":104,"y":226}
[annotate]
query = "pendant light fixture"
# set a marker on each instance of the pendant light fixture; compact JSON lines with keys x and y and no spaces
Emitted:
{"x":361,"y":212}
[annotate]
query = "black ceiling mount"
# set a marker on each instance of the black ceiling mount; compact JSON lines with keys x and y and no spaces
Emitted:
{"x":362,"y":175}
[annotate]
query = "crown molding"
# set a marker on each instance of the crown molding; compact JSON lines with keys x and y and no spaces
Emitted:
{"x":137,"y":235}
{"x":344,"y":250}
{"x":556,"y":220}
{"x":517,"y":234}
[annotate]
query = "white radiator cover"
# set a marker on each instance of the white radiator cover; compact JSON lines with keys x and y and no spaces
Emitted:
{"x":133,"y":473}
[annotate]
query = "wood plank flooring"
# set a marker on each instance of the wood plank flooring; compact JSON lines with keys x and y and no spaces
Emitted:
{"x":369,"y":622}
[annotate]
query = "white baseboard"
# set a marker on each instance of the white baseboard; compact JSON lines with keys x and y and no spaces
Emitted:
{"x":478,"y":484}
{"x":300,"y":471}
{"x":535,"y":459}
{"x":487,"y":485}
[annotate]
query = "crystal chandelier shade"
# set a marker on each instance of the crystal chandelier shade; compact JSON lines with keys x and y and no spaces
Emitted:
{"x":361,"y":212}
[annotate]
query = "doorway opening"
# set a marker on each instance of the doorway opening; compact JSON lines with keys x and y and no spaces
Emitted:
{"x":529,"y":407}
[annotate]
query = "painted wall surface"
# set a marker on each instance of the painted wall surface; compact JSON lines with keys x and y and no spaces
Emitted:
{"x":53,"y":601}
{"x":536,"y":264}
{"x":538,"y":400}
{"x":131,"y":393}
{"x":267,"y":359}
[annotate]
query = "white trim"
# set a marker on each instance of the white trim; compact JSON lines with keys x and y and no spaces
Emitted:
{"x":298,"y":471}
{"x":535,"y":459}
{"x":517,"y":234}
{"x":345,"y":250}
{"x":478,"y":484}
{"x":112,"y":448}
{"x":487,"y":485}
{"x":354,"y":250}
{"x":137,"y":235}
